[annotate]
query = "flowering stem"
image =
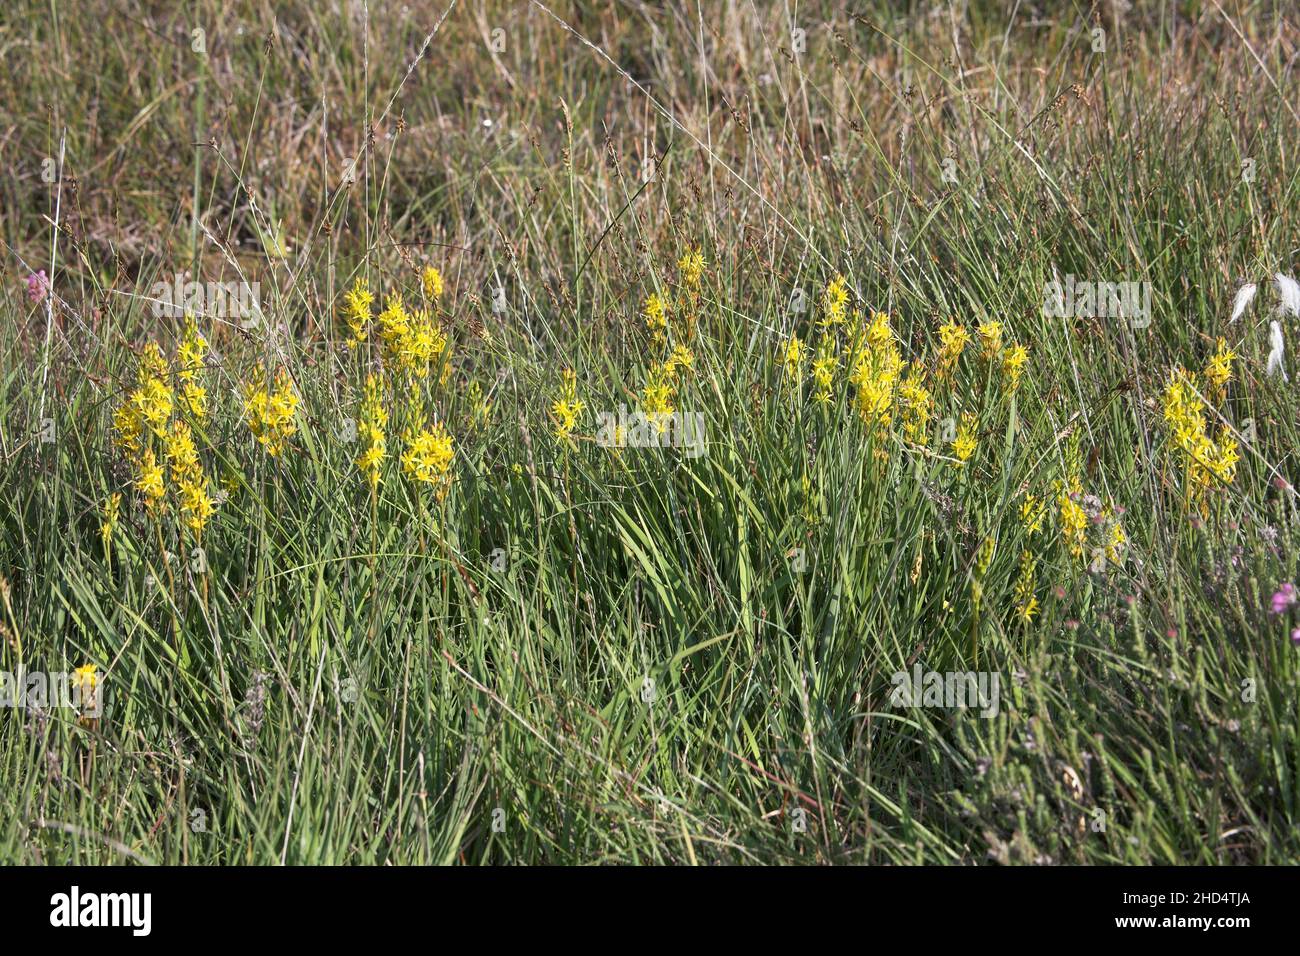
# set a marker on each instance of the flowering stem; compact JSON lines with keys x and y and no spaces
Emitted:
{"x":374,"y":550}
{"x":171,"y":588}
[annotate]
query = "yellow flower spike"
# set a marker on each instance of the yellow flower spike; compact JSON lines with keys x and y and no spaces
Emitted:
{"x":953,"y":340}
{"x":371,"y":430}
{"x":964,"y":445}
{"x":1033,"y":512}
{"x":153,"y":365}
{"x":1116,"y":542}
{"x":191,"y":352}
{"x":85,"y":681}
{"x":149,"y":482}
{"x":1074,"y":524}
{"x":1013,"y":367}
{"x":1025,"y":600}
{"x":432,"y":283}
{"x":356,"y":311}
{"x":656,"y":312}
{"x":917,"y":403}
{"x":1204,"y":461}
{"x":196,"y":505}
{"x":823,"y":370}
{"x":568,"y":408}
{"x":796,"y":353}
{"x":1218,"y":371}
{"x":111,"y":506}
{"x":191,"y":358}
{"x":835,"y":299}
{"x":128,"y":429}
{"x":425,"y":345}
{"x":270,"y":413}
{"x":990,"y":334}
{"x":877,"y":367}
{"x":428,"y":458}
{"x":681,"y":358}
{"x":394,"y":324}
{"x":691,"y":266}
{"x":195,"y":399}
{"x":179,"y":445}
{"x":153,"y":402}
{"x":879,"y":333}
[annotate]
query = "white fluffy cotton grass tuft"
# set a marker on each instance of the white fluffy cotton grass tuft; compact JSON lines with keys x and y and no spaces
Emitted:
{"x":1276,"y":351}
{"x":1244,"y":296}
{"x":1288,"y":293}
{"x":1288,"y":303}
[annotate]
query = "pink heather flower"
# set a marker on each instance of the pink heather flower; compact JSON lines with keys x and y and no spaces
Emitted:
{"x":1295,"y":637}
{"x":38,"y":286}
{"x":1283,"y":598}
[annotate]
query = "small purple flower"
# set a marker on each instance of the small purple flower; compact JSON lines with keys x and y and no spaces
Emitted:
{"x":1284,"y":597}
{"x":38,"y":286}
{"x":1295,"y":637}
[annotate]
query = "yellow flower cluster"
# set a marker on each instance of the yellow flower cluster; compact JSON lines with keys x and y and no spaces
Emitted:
{"x":1218,"y":371}
{"x":149,"y":481}
{"x":1116,"y":542}
{"x":374,"y":417}
{"x":1076,"y":512}
{"x":150,"y":404}
{"x":196,"y":505}
{"x":916,"y":402}
{"x":682,"y":357}
{"x":669,"y":316}
{"x":659,"y":396}
{"x":877,"y":366}
{"x":887,"y":388}
{"x":191,"y":358}
{"x":1033,"y":512}
{"x":835,"y":302}
{"x":691,"y":266}
{"x":147,"y":417}
{"x":796,"y":353}
{"x":412,"y":341}
{"x":965,"y":443}
{"x":953,"y":339}
{"x":86,"y":679}
{"x":1025,"y":600}
{"x":1012,"y":358}
{"x":356,"y":311}
{"x":656,"y":317}
{"x":568,"y":408}
{"x":823,"y":370}
{"x":431,"y":282}
{"x":428,"y":457}
{"x":1074,"y":524}
{"x":111,"y":506}
{"x":270,"y":412}
{"x":1206,"y":462}
{"x":1013,"y":366}
{"x":990,"y":334}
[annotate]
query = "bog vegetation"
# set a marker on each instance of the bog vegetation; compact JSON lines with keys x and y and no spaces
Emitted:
{"x":552,"y":433}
